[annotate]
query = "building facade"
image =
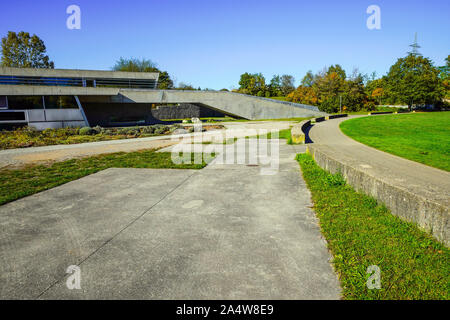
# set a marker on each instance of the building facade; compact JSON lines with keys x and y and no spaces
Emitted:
{"x":58,"y":98}
{"x":26,"y":100}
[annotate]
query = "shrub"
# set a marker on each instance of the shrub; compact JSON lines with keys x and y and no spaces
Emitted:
{"x":161,"y":129}
{"x":133,"y":131}
{"x":30,"y":131}
{"x":174,"y":127}
{"x":86,"y":131}
{"x":335,"y":179}
{"x":122,"y":131}
{"x":97,"y":130}
{"x":147,"y":130}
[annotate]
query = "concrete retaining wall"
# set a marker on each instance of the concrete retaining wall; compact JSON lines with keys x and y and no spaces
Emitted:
{"x":431,"y":216}
{"x":185,"y":110}
{"x":230,"y":103}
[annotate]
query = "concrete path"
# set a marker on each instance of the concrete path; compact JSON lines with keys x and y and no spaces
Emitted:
{"x":427,"y":186}
{"x":224,"y":232}
{"x":32,"y":155}
{"x":431,"y":182}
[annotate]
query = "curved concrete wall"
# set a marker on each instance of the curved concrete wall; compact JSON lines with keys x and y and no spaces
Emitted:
{"x":185,"y":110}
{"x":234,"y":104}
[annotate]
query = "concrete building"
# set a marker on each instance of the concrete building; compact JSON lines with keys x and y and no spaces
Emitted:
{"x":56,"y":98}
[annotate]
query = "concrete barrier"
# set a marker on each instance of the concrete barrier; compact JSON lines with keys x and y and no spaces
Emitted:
{"x":320,"y":119}
{"x":298,"y":130}
{"x":430,"y":215}
{"x":381,"y":112}
{"x":335,"y":116}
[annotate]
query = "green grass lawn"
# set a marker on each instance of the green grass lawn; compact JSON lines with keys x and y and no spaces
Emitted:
{"x":18,"y":183}
{"x":361,"y":233}
{"x":279,"y":98}
{"x":421,"y":137}
{"x":282,"y":134}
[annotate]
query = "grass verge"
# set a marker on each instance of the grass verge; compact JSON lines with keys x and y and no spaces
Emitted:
{"x":282,"y":134}
{"x":361,"y":233}
{"x":420,"y":137}
{"x":18,"y":183}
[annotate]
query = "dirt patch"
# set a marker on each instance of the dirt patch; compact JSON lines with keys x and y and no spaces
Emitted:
{"x":43,"y":157}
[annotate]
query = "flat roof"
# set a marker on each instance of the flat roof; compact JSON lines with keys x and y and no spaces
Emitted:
{"x":75,"y":73}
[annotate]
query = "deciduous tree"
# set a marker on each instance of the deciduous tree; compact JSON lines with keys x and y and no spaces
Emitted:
{"x":144,"y":65}
{"x":21,"y":50}
{"x":414,"y":80}
{"x":287,"y":84}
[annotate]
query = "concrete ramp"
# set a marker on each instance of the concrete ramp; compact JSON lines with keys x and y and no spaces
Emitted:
{"x":233,"y":104}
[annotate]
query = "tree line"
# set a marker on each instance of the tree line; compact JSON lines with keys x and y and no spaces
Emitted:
{"x":412,"y":80}
{"x":255,"y":84}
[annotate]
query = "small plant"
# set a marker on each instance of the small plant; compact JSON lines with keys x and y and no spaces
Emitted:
{"x":360,"y":233}
{"x":97,"y":130}
{"x":335,"y":179}
{"x":108,"y":132}
{"x":31,"y":137}
{"x":161,"y":129}
{"x":85,"y":131}
{"x":147,"y":130}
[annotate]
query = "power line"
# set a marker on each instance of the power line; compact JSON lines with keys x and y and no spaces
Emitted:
{"x":415,"y":46}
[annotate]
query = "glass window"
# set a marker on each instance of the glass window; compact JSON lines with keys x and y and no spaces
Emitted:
{"x":3,"y":104}
{"x":60,"y":102}
{"x":12,"y":116}
{"x":25,"y":102}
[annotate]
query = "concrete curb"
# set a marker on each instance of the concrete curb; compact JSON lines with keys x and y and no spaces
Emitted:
{"x":429,"y":215}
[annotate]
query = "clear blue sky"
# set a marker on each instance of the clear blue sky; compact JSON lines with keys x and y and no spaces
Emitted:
{"x":209,"y":43}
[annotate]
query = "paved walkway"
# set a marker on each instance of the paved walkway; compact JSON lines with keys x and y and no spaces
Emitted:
{"x":224,"y":232}
{"x":23,"y":156}
{"x":411,"y":190}
{"x":432,"y":183}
